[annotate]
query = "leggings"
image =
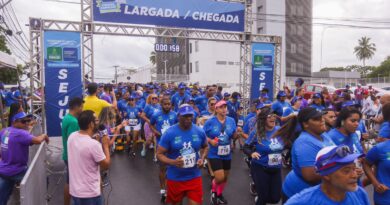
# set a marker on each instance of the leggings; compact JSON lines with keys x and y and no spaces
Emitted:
{"x":268,"y":182}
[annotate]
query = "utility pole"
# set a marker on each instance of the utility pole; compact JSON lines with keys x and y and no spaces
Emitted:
{"x":116,"y":73}
{"x":5,"y":4}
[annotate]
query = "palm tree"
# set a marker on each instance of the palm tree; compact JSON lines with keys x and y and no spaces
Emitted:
{"x":365,"y":50}
{"x":152,"y":57}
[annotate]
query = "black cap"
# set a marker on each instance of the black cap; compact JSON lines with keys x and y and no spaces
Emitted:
{"x":308,"y":113}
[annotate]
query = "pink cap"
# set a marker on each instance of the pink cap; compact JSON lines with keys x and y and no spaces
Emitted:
{"x":220,"y":103}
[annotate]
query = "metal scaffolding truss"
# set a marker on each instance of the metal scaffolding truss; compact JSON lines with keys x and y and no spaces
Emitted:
{"x":88,"y":29}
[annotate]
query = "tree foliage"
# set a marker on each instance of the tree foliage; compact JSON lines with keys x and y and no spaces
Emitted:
{"x":365,"y":50}
{"x":9,"y":76}
{"x":382,"y":70}
{"x":153,"y":58}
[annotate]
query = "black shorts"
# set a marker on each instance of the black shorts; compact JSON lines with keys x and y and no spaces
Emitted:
{"x":66,"y":172}
{"x":218,"y":164}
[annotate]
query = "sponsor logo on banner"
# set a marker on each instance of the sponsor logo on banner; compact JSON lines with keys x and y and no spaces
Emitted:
{"x":62,"y":76}
{"x":262,"y":69}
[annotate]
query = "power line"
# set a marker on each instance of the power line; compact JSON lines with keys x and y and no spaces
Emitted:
{"x":17,"y":20}
{"x":322,"y":24}
{"x":359,"y":20}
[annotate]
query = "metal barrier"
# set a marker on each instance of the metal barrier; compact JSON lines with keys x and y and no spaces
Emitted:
{"x":33,"y":186}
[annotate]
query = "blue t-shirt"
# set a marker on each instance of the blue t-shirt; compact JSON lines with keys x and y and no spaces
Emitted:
{"x":303,"y":154}
{"x":177,"y":100}
{"x":213,"y":128}
{"x":319,"y":108}
{"x":122,"y":106}
{"x":278,"y":107}
{"x":290,"y":110}
{"x":380,"y":157}
{"x":141,"y":103}
{"x":132,"y":113}
{"x":314,"y":195}
{"x":384,"y":130}
{"x":205,"y":113}
{"x":9,"y":99}
{"x":352,"y":141}
{"x":232,"y":109}
{"x":201,"y":103}
{"x":249,"y":125}
{"x":151,"y":109}
{"x":185,"y":143}
{"x":162,"y":121}
{"x":250,"y":115}
{"x":270,"y":149}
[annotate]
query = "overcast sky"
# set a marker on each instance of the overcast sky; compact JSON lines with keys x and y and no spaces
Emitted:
{"x":338,"y":42}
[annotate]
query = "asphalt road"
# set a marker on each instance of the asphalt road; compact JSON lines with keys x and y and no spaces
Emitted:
{"x":135,"y":181}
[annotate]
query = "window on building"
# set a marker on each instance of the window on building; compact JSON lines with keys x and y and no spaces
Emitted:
{"x":300,"y":67}
{"x":293,"y":28}
{"x":293,"y":67}
{"x":196,"y":46}
{"x":293,"y":48}
{"x":259,"y":9}
{"x":299,"y":10}
{"x":300,"y":30}
{"x":260,"y":30}
{"x":190,"y":67}
{"x":196,"y":66}
{"x":190,"y":47}
{"x":293,"y":10}
{"x":300,"y":48}
{"x":220,"y":62}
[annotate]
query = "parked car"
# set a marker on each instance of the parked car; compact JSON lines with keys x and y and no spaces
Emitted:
{"x":316,"y":88}
{"x":386,"y":88}
{"x":376,"y":90}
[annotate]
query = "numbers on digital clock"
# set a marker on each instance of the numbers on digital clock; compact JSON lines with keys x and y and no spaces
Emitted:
{"x":160,"y":47}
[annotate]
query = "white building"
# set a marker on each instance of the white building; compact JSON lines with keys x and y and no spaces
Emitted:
{"x":143,"y":74}
{"x":218,"y":62}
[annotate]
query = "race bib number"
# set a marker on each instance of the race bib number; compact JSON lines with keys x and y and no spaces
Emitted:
{"x":189,"y":160}
{"x":133,"y":122}
{"x":127,"y":128}
{"x":223,"y":150}
{"x":274,"y":159}
{"x":240,"y":123}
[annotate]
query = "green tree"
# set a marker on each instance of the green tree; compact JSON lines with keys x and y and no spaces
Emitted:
{"x":153,"y":57}
{"x":335,"y":69}
{"x":9,"y":76}
{"x":363,"y":70}
{"x":3,"y":44}
{"x":383,"y":69}
{"x":365,"y":50}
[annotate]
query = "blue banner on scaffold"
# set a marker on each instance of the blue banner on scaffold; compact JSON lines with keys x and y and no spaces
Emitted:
{"x":199,"y":14}
{"x":263,"y":61}
{"x":62,"y":76}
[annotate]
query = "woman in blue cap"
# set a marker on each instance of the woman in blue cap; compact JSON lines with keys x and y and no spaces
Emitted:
{"x":280,"y":104}
{"x":318,"y":102}
{"x":303,"y":174}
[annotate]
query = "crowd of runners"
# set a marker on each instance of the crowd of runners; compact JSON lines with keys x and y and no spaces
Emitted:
{"x":329,"y":145}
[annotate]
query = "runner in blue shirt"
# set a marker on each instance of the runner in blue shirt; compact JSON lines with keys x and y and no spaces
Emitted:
{"x":265,"y":150}
{"x":293,"y":110}
{"x":152,"y":106}
{"x":384,"y":131}
{"x":210,"y":107}
{"x":379,"y":157}
{"x":179,"y":148}
{"x":280,"y":104}
{"x":303,"y":152}
{"x":133,"y":114}
{"x":220,"y":130}
{"x":179,"y":97}
{"x":232,"y":105}
{"x":336,"y":168}
{"x":160,"y":123}
{"x":318,"y":102}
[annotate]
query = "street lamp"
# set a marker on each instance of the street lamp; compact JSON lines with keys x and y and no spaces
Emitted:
{"x":165,"y":71}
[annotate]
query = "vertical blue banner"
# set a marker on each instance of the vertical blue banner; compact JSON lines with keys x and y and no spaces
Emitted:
{"x":62,"y":76}
{"x":263,"y":62}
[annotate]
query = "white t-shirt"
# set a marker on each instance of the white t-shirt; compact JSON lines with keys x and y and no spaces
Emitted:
{"x":84,"y":155}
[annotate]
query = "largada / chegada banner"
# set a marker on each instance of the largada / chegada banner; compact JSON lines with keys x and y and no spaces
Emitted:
{"x":62,"y":76}
{"x":263,"y":62}
{"x":201,"y":14}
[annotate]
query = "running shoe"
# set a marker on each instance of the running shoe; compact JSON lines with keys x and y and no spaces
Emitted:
{"x":221,"y":200}
{"x":163,"y":195}
{"x":252,"y":189}
{"x":143,"y":152}
{"x":155,"y":159}
{"x":213,"y":198}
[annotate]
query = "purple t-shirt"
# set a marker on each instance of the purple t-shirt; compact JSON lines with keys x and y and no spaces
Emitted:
{"x":106,"y":97}
{"x":14,"y":150}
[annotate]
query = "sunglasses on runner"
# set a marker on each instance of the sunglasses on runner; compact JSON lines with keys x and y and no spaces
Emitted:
{"x":154,"y":98}
{"x":25,"y":121}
